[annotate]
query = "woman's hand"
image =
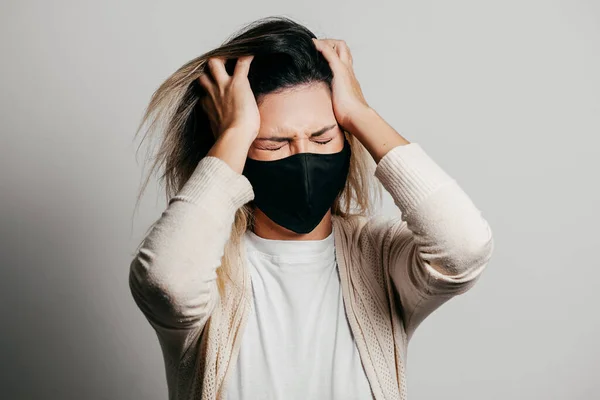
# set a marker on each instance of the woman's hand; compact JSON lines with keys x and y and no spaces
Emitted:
{"x":349,"y":105}
{"x":347,"y":97}
{"x":232,"y":110}
{"x":229,"y":102}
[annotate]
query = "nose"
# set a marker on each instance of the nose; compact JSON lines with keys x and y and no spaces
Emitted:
{"x":300,"y":145}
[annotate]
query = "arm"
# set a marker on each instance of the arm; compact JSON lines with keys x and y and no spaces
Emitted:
{"x":440,"y":245}
{"x":173,"y":275}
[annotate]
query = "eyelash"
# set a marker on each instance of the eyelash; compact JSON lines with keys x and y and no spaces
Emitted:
{"x":321,"y":143}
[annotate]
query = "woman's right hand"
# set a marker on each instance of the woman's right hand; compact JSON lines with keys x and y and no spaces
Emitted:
{"x":229,"y":102}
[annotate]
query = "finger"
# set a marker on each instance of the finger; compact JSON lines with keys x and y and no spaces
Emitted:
{"x":242,"y":66}
{"x":341,"y":48}
{"x":343,"y":51}
{"x":209,"y":110}
{"x":206,"y":105}
{"x":328,"y":52}
{"x":206,"y":83}
{"x":216,"y":65}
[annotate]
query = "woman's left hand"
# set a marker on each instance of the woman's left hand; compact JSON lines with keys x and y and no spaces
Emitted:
{"x":347,"y":97}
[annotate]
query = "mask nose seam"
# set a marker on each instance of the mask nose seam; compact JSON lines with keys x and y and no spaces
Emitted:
{"x":306,"y":179}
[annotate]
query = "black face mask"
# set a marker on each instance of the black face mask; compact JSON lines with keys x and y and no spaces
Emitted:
{"x":297,"y":191}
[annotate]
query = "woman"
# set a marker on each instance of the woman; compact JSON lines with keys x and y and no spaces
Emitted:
{"x":268,"y":276}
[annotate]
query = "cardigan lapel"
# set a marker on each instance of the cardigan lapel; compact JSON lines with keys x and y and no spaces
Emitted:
{"x":225,"y":330}
{"x":342,"y":245}
{"x":372,"y":326}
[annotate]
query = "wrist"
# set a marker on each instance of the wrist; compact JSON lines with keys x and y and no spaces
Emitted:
{"x":232,"y":147}
{"x":238,"y":137}
{"x":360,"y":120}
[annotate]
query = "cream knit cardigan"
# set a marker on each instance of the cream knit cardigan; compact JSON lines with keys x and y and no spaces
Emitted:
{"x":389,"y":283}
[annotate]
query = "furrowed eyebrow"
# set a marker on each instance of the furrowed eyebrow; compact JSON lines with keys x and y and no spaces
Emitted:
{"x":320,"y":132}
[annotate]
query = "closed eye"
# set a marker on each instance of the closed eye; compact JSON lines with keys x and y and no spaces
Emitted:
{"x":318,"y":142}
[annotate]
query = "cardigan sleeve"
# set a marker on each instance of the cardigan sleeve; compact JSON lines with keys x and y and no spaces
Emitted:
{"x":440,"y":245}
{"x":172,"y":277}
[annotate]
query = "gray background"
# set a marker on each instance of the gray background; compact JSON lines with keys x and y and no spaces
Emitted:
{"x":504,"y":95}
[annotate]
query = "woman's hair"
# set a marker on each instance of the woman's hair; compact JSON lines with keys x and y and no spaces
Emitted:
{"x":284,"y":57}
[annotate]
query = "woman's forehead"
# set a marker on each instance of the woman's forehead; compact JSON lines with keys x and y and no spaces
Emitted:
{"x":302,"y":110}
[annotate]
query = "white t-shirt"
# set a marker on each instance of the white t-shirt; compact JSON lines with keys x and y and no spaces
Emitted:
{"x":297,"y":343}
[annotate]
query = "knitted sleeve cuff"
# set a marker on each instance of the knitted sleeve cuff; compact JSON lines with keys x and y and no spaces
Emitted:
{"x":216,"y":183}
{"x":410,"y":175}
